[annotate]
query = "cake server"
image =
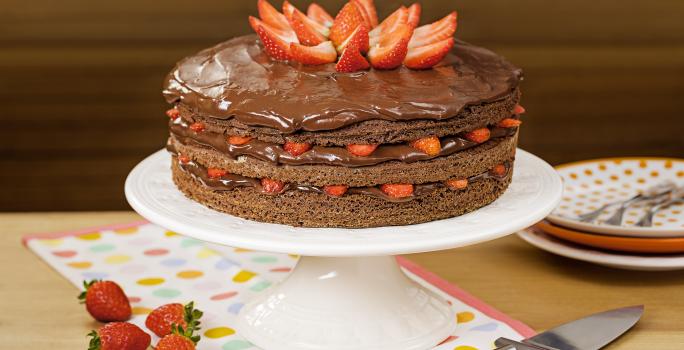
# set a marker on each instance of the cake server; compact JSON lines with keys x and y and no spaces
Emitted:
{"x":589,"y":333}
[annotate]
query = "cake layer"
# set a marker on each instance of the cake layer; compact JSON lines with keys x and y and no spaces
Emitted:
{"x":463,"y":164}
{"x":237,"y":80}
{"x":311,"y":208}
{"x":367,"y":132}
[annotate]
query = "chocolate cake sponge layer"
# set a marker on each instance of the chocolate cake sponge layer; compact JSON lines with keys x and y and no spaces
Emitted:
{"x":459,"y":165}
{"x":368,"y":132}
{"x":310,"y":209}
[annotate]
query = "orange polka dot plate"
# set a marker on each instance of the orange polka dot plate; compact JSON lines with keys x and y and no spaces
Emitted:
{"x":624,"y":244}
{"x":588,"y":185}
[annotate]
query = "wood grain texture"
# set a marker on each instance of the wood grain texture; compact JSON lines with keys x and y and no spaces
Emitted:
{"x":538,"y":288}
{"x":81,"y":81}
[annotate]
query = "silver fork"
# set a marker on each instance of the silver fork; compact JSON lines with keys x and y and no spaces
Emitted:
{"x":592,"y":215}
{"x":647,"y":219}
{"x":653,"y":193}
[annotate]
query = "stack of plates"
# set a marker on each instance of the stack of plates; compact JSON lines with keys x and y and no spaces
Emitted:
{"x":588,"y":185}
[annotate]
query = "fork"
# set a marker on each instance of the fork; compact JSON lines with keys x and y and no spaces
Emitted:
{"x":647,"y":219}
{"x":664,"y":189}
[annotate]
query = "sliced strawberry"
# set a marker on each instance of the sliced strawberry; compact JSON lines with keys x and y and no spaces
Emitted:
{"x":509,"y":123}
{"x":424,"y":57}
{"x":295,"y":148}
{"x":391,"y":49}
{"x":429,"y":145}
{"x":271,"y":16}
{"x":276,"y":42}
{"x":457,"y":184}
{"x":197,"y":127}
{"x":518,"y":109}
{"x":414,"y":15}
{"x":361,"y":150}
{"x":313,"y":55}
{"x":183,"y":159}
{"x":370,"y":10}
{"x":351,"y":61}
{"x":434,"y":32}
{"x":390,"y":24}
{"x":499,"y":170}
{"x":215,"y":173}
{"x":358,"y":39}
{"x":345,"y":23}
{"x":320,"y":15}
{"x":335,"y":190}
{"x":478,"y":135}
{"x":397,"y":190}
{"x":362,"y":12}
{"x":306,"y":34}
{"x":238,"y":140}
{"x":272,"y":186}
{"x":173,"y":113}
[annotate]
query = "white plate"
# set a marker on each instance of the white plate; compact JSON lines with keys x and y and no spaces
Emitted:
{"x":605,"y":258}
{"x":534,"y":192}
{"x":590,"y":184}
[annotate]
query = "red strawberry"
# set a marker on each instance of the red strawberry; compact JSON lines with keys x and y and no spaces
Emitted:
{"x":335,"y":190}
{"x":215,"y":173}
{"x":345,"y":23}
{"x":518,"y":109}
{"x":276,"y":42}
{"x":369,"y":8}
{"x":161,"y":320}
{"x":434,"y":32}
{"x":271,"y":16}
{"x":105,"y":301}
{"x":457,"y":184}
{"x":363,"y":13}
{"x":414,"y":15}
{"x":183,"y":159}
{"x":119,"y":336}
{"x":424,"y":57}
{"x":308,"y":31}
{"x":197,"y":127}
{"x":320,"y":15}
{"x":499,"y":170}
{"x":175,"y":342}
{"x":173,"y":113}
{"x":389,"y":25}
{"x":351,"y":60}
{"x":509,"y":123}
{"x":397,"y":190}
{"x":272,"y":186}
{"x":478,"y":135}
{"x":391,"y":48}
{"x":358,"y":39}
{"x":361,"y":150}
{"x":312,"y":55}
{"x":295,"y":148}
{"x":430,"y":145}
{"x":238,"y":140}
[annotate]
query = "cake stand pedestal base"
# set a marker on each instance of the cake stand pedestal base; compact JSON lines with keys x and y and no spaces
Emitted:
{"x":347,"y":304}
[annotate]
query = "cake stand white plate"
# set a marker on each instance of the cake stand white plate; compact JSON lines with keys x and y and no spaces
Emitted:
{"x":347,"y":292}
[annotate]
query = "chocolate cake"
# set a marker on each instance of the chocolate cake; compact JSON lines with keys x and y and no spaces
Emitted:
{"x":407,"y":125}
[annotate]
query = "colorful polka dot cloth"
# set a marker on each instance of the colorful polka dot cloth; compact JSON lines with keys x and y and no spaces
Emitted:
{"x":155,"y":266}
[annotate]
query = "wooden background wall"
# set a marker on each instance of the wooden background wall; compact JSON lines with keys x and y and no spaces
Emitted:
{"x":80,"y":100}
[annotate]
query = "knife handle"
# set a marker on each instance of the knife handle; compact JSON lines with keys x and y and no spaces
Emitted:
{"x":510,"y":344}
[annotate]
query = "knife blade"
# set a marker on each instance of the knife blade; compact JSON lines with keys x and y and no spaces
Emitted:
{"x":589,"y":333}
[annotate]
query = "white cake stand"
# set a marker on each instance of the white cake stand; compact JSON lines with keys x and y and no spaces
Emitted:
{"x":347,"y":292}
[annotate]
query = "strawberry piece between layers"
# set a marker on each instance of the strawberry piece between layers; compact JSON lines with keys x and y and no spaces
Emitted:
{"x":427,"y":56}
{"x":238,"y":140}
{"x":478,"y":135}
{"x":391,"y":49}
{"x":295,"y":148}
{"x":397,"y":190}
{"x":429,"y":145}
{"x":509,"y":123}
{"x":313,"y":55}
{"x":457,"y":184}
{"x":345,"y":23}
{"x":361,"y":150}
{"x":499,"y":170}
{"x":434,"y":32}
{"x":320,"y":15}
{"x":272,"y":186}
{"x":518,"y":109}
{"x":215,"y":173}
{"x":335,"y":190}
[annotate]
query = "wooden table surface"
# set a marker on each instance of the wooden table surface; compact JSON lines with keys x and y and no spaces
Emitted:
{"x":40,"y":310}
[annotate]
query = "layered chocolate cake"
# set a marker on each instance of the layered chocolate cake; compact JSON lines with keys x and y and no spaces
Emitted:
{"x":343,"y":122}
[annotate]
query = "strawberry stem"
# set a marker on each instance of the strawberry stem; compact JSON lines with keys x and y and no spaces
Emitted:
{"x":95,"y":342}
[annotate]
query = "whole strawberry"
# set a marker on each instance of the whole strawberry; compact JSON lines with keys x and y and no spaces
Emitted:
{"x":161,"y":320}
{"x":179,"y":339}
{"x":119,"y":336}
{"x":105,"y":301}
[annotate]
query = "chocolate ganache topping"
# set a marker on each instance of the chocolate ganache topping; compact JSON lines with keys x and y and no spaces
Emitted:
{"x":236,"y":79}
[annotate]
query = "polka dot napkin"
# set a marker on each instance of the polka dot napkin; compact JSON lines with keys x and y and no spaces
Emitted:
{"x":155,"y":266}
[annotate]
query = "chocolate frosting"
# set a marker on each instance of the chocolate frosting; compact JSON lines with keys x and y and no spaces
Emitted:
{"x":236,"y":79}
{"x":274,"y":153}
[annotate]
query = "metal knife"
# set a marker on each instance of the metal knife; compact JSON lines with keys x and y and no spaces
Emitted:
{"x":588,"y":333}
